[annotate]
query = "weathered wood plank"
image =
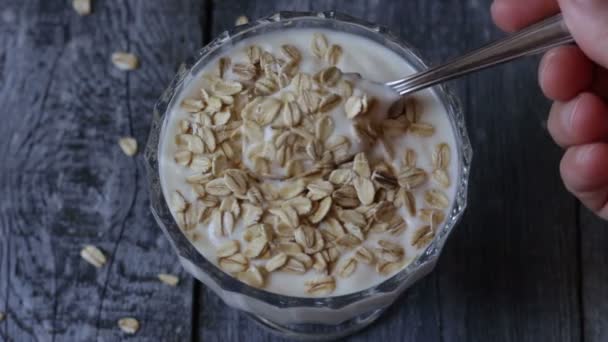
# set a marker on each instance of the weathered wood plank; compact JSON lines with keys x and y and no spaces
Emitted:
{"x":28,"y":263}
{"x":65,"y":183}
{"x":8,"y":39}
{"x":162,"y":34}
{"x":517,"y":281}
{"x":594,"y":261}
{"x":510,"y":271}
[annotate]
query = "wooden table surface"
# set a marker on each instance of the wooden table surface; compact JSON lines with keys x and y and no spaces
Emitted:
{"x":527,"y":263}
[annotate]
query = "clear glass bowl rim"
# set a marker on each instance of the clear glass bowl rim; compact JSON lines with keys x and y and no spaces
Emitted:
{"x":186,"y":250}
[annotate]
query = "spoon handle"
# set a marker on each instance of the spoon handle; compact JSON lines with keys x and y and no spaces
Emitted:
{"x":535,"y":39}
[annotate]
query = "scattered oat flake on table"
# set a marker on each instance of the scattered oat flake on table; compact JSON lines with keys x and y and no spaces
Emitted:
{"x":125,"y":61}
{"x":93,"y":255}
{"x":168,"y":279}
{"x":242,"y":20}
{"x":129,"y":325}
{"x":128,"y":145}
{"x":82,"y":7}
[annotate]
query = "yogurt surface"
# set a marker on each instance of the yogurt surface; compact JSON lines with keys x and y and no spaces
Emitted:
{"x":373,"y":62}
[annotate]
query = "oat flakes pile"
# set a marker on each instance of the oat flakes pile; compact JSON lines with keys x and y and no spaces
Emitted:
{"x":266,"y":164}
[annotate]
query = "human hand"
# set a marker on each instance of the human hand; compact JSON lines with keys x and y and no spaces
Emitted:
{"x":576,"y":79}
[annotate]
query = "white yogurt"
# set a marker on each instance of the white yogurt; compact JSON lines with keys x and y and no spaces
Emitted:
{"x":374,"y":62}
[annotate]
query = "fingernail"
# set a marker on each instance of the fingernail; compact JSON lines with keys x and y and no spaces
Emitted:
{"x":495,"y":4}
{"x":570,"y":113}
{"x":584,"y":154}
{"x":590,"y":4}
{"x":546,"y":62}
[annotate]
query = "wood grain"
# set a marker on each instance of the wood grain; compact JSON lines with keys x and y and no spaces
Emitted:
{"x":510,"y":271}
{"x":65,"y":182}
{"x":594,"y":258}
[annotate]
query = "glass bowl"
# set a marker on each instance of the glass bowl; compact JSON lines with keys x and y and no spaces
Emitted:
{"x":297,"y":317}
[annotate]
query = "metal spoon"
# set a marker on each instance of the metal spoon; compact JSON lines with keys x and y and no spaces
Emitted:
{"x":535,"y":39}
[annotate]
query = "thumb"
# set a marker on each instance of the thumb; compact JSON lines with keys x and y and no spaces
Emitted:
{"x":588,"y":22}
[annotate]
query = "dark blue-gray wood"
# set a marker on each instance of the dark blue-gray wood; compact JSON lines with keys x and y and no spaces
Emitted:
{"x":511,"y":270}
{"x":594,"y":261}
{"x":64,"y":181}
{"x":526,"y":264}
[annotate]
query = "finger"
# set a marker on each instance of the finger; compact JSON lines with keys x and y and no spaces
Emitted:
{"x":584,"y":170}
{"x":583,"y":120}
{"x":588,"y":22}
{"x":564,"y":72}
{"x":512,"y":15}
